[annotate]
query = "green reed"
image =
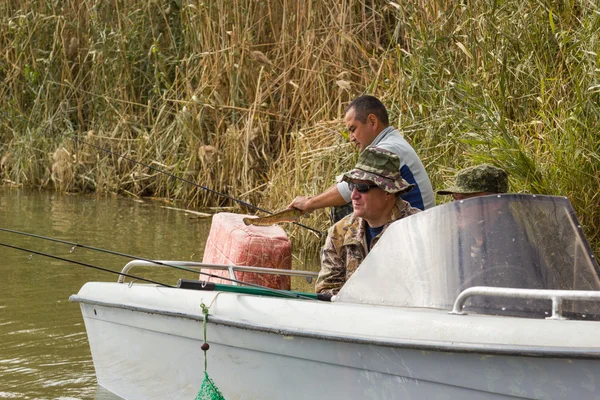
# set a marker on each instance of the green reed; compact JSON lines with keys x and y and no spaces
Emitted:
{"x":246,"y":97}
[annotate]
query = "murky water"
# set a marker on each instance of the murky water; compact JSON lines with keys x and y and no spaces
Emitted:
{"x":44,"y":353}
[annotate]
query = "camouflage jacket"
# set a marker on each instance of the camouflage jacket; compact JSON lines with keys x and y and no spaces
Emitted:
{"x":345,"y":248}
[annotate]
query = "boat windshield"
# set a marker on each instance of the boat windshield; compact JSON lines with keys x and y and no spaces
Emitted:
{"x":514,"y":241}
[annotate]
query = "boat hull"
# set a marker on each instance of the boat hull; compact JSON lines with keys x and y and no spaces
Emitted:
{"x":145,"y":353}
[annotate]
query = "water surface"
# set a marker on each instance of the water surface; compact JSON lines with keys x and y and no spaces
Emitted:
{"x":44,"y":353}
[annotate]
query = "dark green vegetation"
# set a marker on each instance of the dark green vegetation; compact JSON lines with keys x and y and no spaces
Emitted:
{"x":246,"y":97}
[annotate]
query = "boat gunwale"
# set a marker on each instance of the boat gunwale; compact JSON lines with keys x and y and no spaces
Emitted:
{"x":487,"y":349}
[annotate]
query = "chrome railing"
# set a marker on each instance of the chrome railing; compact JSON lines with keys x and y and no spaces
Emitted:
{"x":557,"y":297}
{"x":309,"y":275}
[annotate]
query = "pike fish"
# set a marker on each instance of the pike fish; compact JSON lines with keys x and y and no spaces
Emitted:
{"x":287,"y":215}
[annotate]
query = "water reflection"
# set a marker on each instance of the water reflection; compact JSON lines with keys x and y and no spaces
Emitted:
{"x":44,"y":352}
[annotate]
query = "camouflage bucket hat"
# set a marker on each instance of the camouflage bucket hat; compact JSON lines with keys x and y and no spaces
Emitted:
{"x":382,"y":167}
{"x":480,"y":178}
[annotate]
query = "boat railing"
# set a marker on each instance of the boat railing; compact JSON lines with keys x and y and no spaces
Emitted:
{"x":232,"y":269}
{"x":557,"y":297}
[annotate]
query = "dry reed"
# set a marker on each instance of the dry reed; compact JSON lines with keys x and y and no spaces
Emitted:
{"x":246,"y":97}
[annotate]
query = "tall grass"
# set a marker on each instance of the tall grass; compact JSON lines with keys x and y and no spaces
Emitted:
{"x":246,"y":97}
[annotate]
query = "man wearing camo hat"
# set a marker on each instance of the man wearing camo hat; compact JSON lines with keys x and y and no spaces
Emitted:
{"x":480,"y":180}
{"x":376,"y":185}
{"x":494,"y":246}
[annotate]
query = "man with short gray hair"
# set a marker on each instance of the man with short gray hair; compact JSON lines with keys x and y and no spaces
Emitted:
{"x":367,"y":123}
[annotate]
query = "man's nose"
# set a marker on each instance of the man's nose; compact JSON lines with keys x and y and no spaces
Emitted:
{"x":355,"y":194}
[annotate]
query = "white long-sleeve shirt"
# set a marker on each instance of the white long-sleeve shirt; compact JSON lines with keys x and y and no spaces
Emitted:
{"x":411,"y":168}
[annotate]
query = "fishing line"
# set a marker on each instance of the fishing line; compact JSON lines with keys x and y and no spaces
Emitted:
{"x":83,"y":264}
{"x":150,"y":167}
{"x":116,"y":253}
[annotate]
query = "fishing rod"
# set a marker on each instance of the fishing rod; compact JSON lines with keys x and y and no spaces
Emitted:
{"x":281,"y":293}
{"x":150,"y":167}
{"x":83,"y":264}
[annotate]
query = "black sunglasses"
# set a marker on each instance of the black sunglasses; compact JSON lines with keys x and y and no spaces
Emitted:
{"x":361,"y":187}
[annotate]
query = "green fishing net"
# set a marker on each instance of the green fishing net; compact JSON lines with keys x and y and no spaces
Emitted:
{"x":208,"y":390}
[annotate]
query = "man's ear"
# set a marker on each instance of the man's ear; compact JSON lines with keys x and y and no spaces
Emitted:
{"x":372,"y":119}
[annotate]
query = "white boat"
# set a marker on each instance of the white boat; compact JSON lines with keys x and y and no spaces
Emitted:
{"x":488,"y":298}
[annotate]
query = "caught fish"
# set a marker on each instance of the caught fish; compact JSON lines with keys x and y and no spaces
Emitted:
{"x":287,"y":215}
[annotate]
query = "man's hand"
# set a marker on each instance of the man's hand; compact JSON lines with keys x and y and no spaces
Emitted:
{"x":302,"y":203}
{"x":329,"y":198}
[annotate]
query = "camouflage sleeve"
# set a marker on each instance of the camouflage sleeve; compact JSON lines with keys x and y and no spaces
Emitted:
{"x":333,"y":266}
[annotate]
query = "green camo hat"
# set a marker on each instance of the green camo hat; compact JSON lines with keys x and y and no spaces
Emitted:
{"x":382,"y":167}
{"x":480,"y":178}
